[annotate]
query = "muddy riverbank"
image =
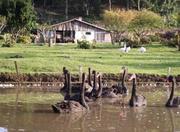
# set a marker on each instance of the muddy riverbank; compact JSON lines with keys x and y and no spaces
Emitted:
{"x":43,"y":77}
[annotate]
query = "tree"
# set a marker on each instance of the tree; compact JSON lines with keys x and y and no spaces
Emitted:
{"x":110,"y":5}
{"x":20,"y":16}
{"x":2,"y":23}
{"x":117,"y":22}
{"x":66,"y":9}
{"x":144,"y":21}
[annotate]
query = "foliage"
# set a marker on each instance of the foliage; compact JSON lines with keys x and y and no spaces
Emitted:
{"x":118,"y":20}
{"x":146,"y":20}
{"x":1,"y":37}
{"x":24,"y":39}
{"x":143,"y":23}
{"x":135,"y":42}
{"x":20,"y":15}
{"x":8,"y":42}
{"x":2,"y":23}
{"x":177,"y":19}
{"x":83,"y":44}
{"x":169,"y":42}
{"x":171,"y":38}
{"x":154,"y":38}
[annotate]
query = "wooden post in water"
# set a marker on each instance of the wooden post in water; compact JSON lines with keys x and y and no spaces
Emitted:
{"x":89,"y":77}
{"x":80,"y":73}
{"x":17,"y":89}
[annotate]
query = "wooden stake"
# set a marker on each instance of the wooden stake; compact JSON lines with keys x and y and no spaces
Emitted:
{"x":18,"y":82}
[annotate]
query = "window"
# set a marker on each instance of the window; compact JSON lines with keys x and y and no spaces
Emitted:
{"x":88,"y":33}
{"x":100,"y":37}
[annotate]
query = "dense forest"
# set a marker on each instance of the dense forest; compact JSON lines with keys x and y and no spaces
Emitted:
{"x":92,"y":9}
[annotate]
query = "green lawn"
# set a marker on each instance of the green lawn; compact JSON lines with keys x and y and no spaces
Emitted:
{"x":105,"y":58}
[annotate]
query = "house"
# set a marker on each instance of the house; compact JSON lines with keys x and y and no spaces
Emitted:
{"x":74,"y":30}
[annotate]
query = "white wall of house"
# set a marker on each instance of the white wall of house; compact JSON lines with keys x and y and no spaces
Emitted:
{"x":84,"y":35}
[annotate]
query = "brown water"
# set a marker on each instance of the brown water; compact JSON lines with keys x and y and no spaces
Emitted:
{"x":103,"y":117}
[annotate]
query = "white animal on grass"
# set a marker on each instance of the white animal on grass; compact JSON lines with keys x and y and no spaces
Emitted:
{"x":128,"y":49}
{"x":123,"y":49}
{"x":142,"y":50}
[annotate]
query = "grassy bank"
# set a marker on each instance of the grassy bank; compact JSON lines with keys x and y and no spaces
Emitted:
{"x":105,"y":58}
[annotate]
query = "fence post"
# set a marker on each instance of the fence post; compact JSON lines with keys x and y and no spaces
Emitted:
{"x":17,"y":89}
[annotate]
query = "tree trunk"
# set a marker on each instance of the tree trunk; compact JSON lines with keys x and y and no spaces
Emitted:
{"x":66,"y":9}
{"x":127,"y":5}
{"x":2,"y":28}
{"x":44,"y":4}
{"x":86,"y":5}
{"x":110,"y":5}
{"x":112,"y":38}
{"x":139,"y":5}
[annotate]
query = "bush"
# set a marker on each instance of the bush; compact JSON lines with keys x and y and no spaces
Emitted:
{"x":1,"y":37}
{"x":24,"y":39}
{"x":8,"y":41}
{"x":169,"y":42}
{"x":145,"y":40}
{"x":83,"y":44}
{"x":154,"y":38}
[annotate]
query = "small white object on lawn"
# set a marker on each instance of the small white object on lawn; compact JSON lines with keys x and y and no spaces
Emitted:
{"x":142,"y":50}
{"x":128,"y":49}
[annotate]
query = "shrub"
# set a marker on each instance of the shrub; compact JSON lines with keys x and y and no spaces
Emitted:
{"x":169,"y":42}
{"x":154,"y":38}
{"x":1,"y":37}
{"x":145,"y":40}
{"x":83,"y":44}
{"x":8,"y":41}
{"x":24,"y":39}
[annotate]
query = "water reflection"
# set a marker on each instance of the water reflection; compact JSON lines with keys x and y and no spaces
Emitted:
{"x":102,"y":117}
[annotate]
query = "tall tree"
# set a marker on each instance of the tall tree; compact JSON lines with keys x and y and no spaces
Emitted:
{"x":117,"y":22}
{"x":144,"y":21}
{"x":110,"y":5}
{"x":20,"y":15}
{"x":66,"y":9}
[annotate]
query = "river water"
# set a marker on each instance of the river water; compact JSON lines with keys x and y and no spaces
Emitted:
{"x":104,"y":116}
